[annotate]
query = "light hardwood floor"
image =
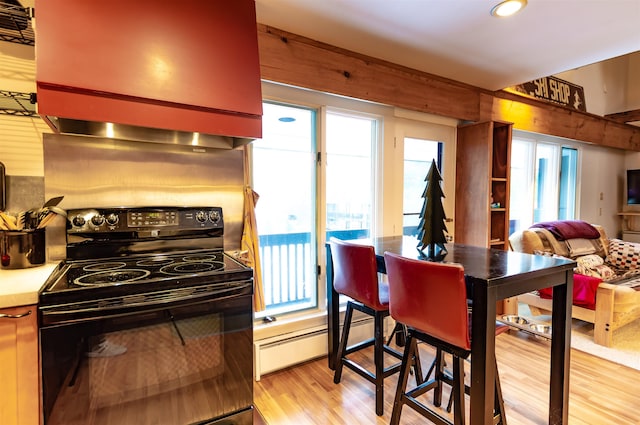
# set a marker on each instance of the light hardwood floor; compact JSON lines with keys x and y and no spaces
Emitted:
{"x":601,"y":392}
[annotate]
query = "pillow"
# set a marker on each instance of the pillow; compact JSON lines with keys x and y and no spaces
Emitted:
{"x":624,"y":255}
{"x":589,"y":261}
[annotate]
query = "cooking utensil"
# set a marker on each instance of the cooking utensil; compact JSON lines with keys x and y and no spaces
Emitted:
{"x":53,"y":202}
{"x":58,"y":211}
{"x":9,"y":221}
{"x":46,"y":219}
{"x":34,"y":218}
{"x":20,"y":220}
{"x":30,"y":219}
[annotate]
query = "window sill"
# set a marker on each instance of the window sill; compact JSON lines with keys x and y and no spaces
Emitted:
{"x":289,"y":324}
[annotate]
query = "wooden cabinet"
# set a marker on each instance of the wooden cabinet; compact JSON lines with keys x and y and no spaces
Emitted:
{"x":483,"y":162}
{"x":19,"y":366}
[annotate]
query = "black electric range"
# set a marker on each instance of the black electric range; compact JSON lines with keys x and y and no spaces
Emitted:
{"x":147,"y":314}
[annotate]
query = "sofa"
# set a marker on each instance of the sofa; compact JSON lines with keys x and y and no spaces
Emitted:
{"x":606,"y":277}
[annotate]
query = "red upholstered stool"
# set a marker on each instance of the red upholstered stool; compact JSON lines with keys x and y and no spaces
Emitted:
{"x":356,"y":276}
{"x":431,"y":299}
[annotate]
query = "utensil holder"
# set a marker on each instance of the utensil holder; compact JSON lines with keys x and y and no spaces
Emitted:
{"x":22,"y":249}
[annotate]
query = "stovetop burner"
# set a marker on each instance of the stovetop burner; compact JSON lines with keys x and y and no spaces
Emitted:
{"x":111,"y":277}
{"x":191,"y":267}
{"x":117,"y":252}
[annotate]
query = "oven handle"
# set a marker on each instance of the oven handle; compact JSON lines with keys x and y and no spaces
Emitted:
{"x":58,"y":316}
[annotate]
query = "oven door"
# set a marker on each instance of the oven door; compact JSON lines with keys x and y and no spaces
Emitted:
{"x":186,"y":362}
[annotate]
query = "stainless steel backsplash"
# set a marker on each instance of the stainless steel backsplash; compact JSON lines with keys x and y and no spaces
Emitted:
{"x":101,"y":172}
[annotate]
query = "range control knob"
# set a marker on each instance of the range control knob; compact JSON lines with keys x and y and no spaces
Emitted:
{"x":214,"y":216}
{"x":201,"y":216}
{"x":112,"y":219}
{"x":97,"y":220}
{"x":78,"y":221}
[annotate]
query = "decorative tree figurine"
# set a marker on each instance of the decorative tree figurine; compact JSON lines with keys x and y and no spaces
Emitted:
{"x":432,"y":226}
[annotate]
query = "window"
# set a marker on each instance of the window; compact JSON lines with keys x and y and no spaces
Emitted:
{"x":568,"y":179}
{"x":418,"y":155}
{"x":283,"y":168}
{"x":350,"y":183}
{"x":285,"y":173}
{"x":543,"y":181}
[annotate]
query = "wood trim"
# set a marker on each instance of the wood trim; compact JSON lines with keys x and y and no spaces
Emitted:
{"x":295,"y":60}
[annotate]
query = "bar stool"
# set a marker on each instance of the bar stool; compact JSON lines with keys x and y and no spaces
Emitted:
{"x":431,"y":299}
{"x":356,"y":276}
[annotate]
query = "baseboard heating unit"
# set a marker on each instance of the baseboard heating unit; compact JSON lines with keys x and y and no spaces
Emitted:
{"x":282,"y":351}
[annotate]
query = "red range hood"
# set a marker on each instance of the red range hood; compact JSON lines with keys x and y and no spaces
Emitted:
{"x":172,"y":72}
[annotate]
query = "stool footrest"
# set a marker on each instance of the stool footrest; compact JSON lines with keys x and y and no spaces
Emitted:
{"x":359,"y":346}
{"x":425,"y":411}
{"x":368,"y":375}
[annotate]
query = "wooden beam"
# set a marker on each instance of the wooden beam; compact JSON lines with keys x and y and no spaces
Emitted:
{"x":299,"y":61}
{"x":292,"y":59}
{"x":545,"y":118}
{"x":624,"y":117}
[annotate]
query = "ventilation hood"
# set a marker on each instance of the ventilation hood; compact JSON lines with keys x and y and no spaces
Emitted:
{"x":167,"y":72}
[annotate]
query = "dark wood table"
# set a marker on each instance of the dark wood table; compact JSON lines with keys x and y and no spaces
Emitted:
{"x":491,"y":275}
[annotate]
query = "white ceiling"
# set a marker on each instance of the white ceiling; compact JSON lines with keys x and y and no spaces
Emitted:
{"x":460,"y":40}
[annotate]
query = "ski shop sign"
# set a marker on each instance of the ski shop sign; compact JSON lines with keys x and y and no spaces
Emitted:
{"x":554,"y":90}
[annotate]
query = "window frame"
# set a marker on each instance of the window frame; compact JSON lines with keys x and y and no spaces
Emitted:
{"x":559,"y":144}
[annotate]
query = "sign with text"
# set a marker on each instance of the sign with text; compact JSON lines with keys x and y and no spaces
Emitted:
{"x":554,"y":90}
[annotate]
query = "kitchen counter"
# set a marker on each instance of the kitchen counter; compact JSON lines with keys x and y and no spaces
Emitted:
{"x":20,"y":286}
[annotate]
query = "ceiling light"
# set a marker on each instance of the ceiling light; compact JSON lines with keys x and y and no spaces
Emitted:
{"x":508,"y":8}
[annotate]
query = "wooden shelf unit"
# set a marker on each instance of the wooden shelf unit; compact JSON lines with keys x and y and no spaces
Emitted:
{"x":483,"y":164}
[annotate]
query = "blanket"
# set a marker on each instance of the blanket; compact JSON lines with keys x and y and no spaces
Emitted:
{"x":584,"y":291}
{"x":569,"y":229}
